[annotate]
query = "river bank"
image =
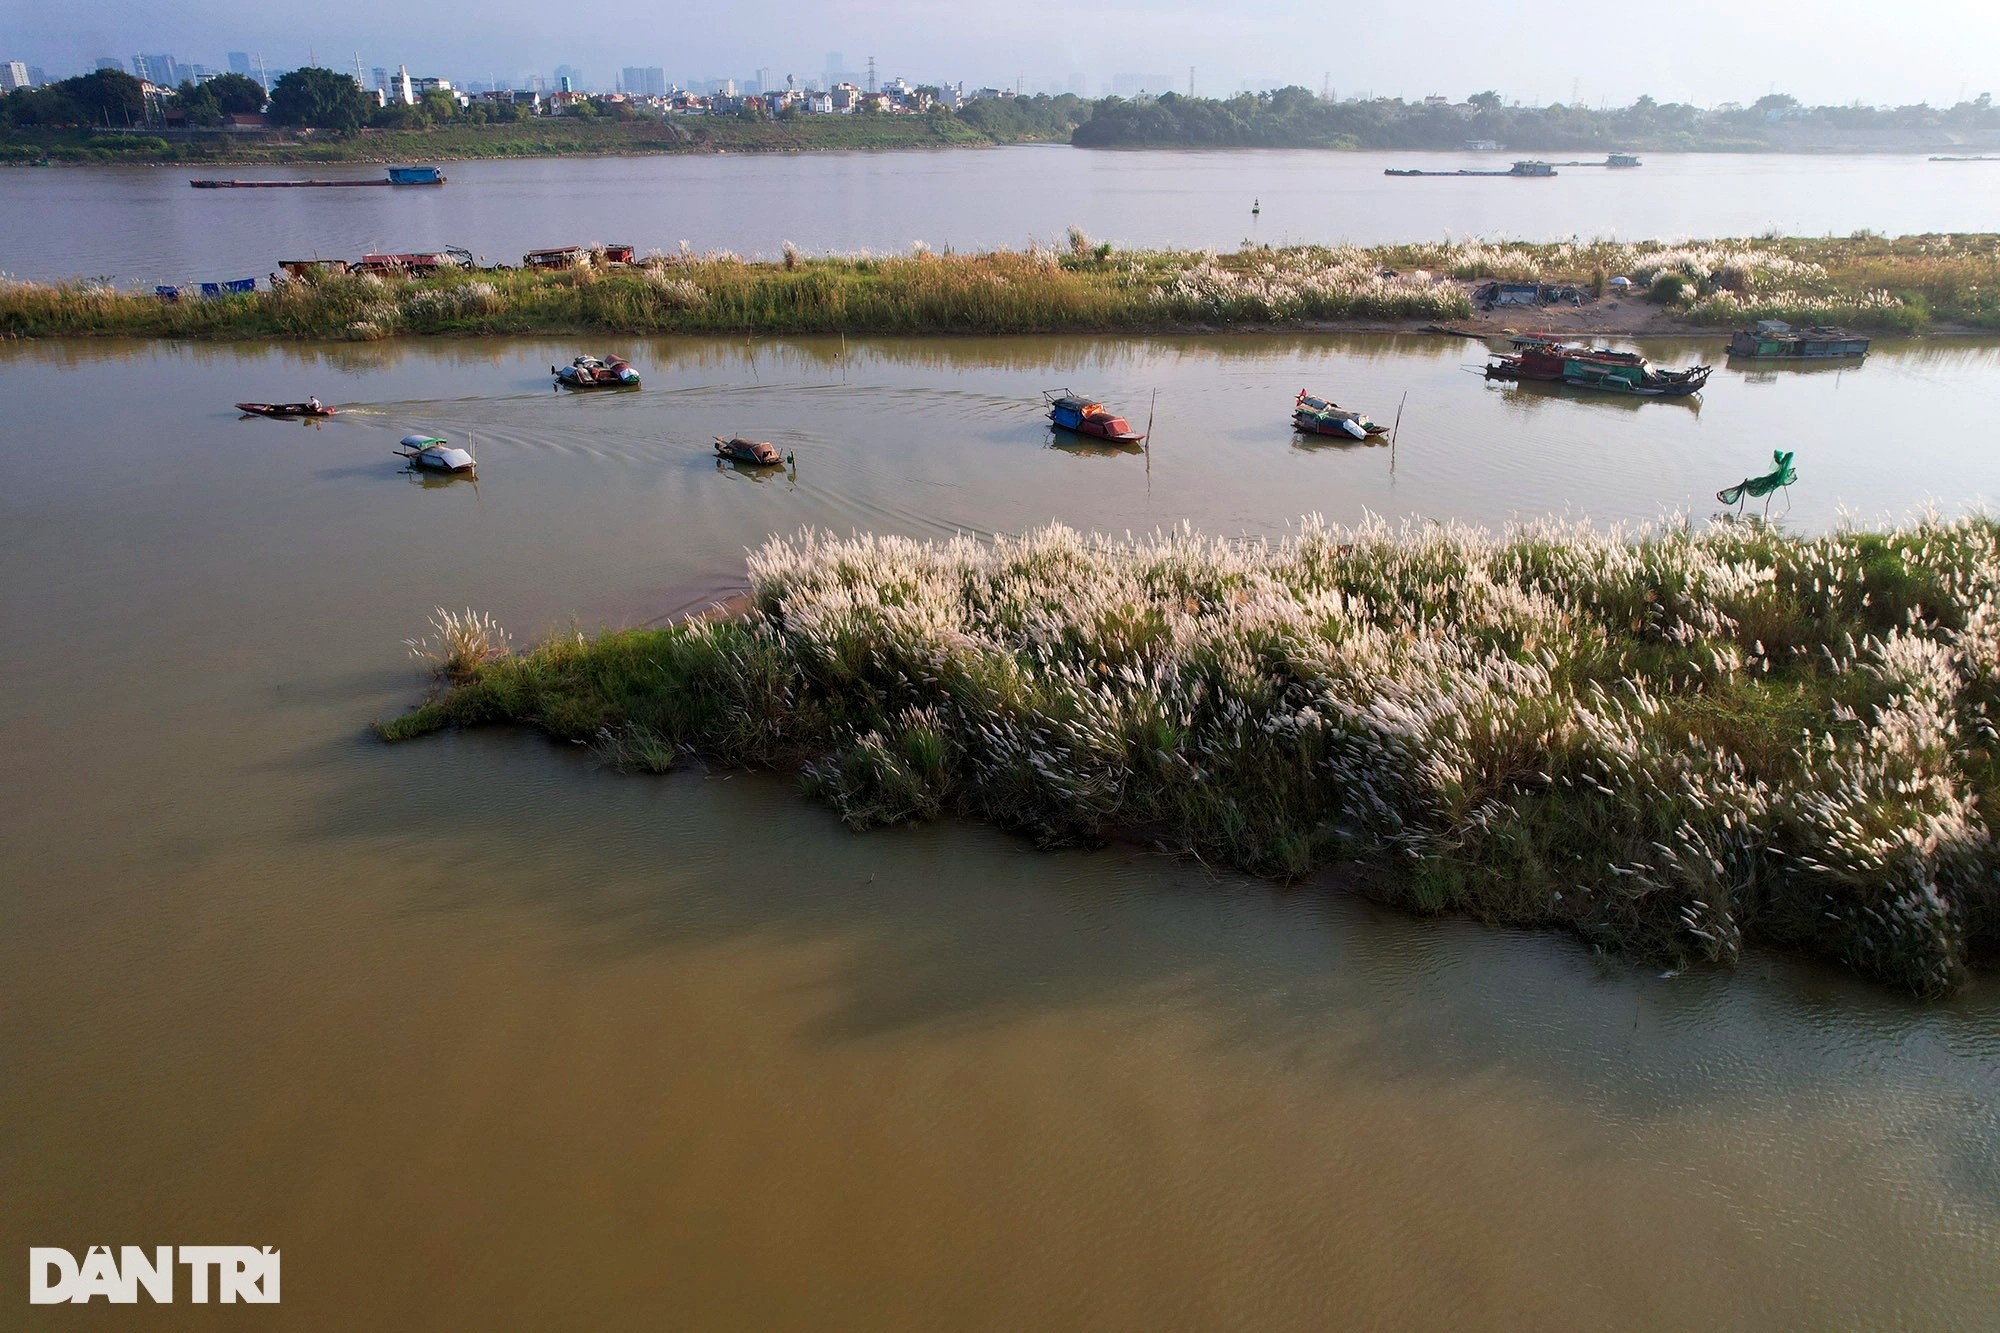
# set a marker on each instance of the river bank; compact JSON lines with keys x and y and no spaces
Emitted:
{"x":1671,"y":744}
{"x":531,"y":138}
{"x":1945,"y":283}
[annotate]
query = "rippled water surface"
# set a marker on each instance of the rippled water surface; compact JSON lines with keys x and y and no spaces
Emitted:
{"x":483,"y":1035}
{"x":144,"y":225}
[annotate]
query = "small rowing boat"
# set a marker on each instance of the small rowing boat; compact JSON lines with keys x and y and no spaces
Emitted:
{"x":312,"y":407}
{"x":757,"y":453}
{"x":433,"y":454}
{"x":1071,"y":411}
{"x":588,"y":372}
{"x":1321,"y":416}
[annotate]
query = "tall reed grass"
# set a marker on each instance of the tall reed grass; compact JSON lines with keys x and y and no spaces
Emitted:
{"x":1671,"y":742}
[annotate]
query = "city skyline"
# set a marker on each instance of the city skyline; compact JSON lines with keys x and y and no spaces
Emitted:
{"x":1832,"y":53}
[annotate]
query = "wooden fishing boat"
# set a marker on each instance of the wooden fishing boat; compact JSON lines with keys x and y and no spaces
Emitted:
{"x":1594,"y":368}
{"x":418,"y":264}
{"x":311,"y":408}
{"x":588,"y":372}
{"x":1075,"y":412}
{"x":1321,"y":416}
{"x":758,"y":453}
{"x":432,"y":454}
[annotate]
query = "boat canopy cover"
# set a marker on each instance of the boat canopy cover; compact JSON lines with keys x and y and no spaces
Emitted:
{"x":422,"y":441}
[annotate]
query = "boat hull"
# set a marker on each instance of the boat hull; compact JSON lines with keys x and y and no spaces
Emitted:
{"x":284,"y":410}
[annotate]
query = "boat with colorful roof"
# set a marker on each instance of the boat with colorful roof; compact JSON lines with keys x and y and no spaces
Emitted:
{"x":1086,"y":416}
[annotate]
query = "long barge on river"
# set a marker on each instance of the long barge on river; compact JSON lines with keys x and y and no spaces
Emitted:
{"x":396,"y":176}
{"x":1530,"y":169}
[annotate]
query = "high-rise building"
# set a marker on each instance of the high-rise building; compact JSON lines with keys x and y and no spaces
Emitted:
{"x":239,"y":63}
{"x":644,"y":80}
{"x":36,"y":78}
{"x":160,"y":69}
{"x":763,"y":81}
{"x":381,"y":84}
{"x":13,"y":74}
{"x":569,"y":78}
{"x":111,"y":62}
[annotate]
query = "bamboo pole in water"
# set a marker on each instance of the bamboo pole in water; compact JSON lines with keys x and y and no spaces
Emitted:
{"x":1396,"y":430}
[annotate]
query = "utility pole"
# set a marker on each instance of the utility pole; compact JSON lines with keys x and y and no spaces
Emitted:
{"x":1190,"y":80}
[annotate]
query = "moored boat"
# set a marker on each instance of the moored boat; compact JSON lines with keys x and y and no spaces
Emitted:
{"x":312,"y":407}
{"x":1594,"y":368}
{"x":589,"y":372}
{"x":1775,"y":338}
{"x":1321,"y":416}
{"x":758,"y":453}
{"x":1071,"y":411}
{"x":432,"y":454}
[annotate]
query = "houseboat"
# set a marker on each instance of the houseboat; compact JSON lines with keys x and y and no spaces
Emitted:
{"x":416,"y":176}
{"x":1775,"y":338}
{"x":1627,"y":373}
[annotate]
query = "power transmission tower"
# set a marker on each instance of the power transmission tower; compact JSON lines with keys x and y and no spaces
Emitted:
{"x":871,"y":74}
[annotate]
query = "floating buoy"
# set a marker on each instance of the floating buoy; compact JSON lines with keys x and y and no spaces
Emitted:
{"x":1256,"y":207}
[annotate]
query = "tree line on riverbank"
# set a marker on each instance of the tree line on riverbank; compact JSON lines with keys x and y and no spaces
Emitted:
{"x":1905,"y":284}
{"x":1673,"y":744}
{"x":66,"y":122}
{"x":1295,"y":117}
{"x":320,"y":115}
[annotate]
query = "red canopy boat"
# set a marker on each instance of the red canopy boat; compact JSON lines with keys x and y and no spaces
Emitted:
{"x":1074,"y":412}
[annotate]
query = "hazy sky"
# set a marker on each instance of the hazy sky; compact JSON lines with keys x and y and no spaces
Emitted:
{"x":1704,"y":51}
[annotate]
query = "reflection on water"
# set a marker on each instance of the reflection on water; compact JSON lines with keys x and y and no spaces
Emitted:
{"x":483,"y":1035}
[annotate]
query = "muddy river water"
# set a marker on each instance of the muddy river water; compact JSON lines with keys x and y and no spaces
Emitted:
{"x":483,"y":1035}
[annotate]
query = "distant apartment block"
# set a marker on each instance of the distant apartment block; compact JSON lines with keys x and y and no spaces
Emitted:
{"x":644,"y":80}
{"x":14,"y":74}
{"x":161,"y":69}
{"x":239,"y":63}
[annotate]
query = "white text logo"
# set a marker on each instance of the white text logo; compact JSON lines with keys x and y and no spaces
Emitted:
{"x":231,"y":1272}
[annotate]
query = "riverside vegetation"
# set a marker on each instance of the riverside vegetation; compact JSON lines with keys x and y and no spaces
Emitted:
{"x":1671,"y":742}
{"x":1905,"y":284}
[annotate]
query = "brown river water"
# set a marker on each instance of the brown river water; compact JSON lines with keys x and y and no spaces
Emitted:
{"x":481,"y":1034}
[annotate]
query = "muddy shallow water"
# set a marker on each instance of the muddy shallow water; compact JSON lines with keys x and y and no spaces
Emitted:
{"x":484,"y":1035}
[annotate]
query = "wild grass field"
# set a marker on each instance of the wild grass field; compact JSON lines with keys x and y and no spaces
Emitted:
{"x":1073,"y":285}
{"x":1673,"y":742}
